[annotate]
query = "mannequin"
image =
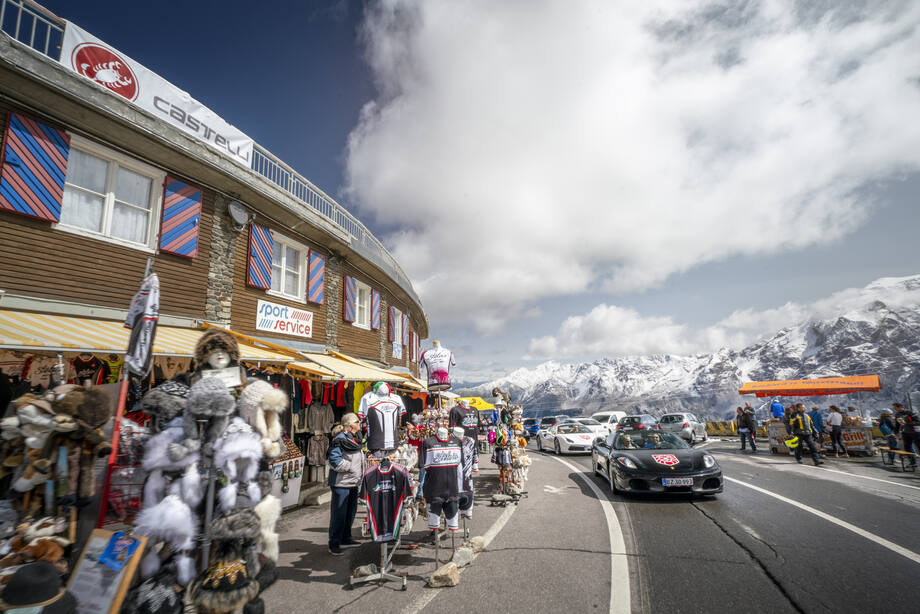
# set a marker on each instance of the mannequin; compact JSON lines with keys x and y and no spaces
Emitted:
{"x":470,"y":456}
{"x":382,"y":412}
{"x":465,"y":416}
{"x":440,"y":476}
{"x":437,"y":362}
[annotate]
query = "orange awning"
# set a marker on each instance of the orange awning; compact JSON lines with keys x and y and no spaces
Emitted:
{"x":813,"y":387}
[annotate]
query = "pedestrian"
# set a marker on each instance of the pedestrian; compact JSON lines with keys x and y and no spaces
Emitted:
{"x":779,"y":413}
{"x":346,"y":464}
{"x":818,"y":420}
{"x":748,"y":428}
{"x":803,"y":428}
{"x":888,"y":427}
{"x":739,"y":414}
{"x":835,"y":420}
{"x":909,"y":426}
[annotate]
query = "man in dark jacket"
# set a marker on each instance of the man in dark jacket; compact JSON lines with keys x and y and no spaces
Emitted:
{"x":346,"y":464}
{"x":748,"y":428}
{"x":909,"y":427}
{"x":802,"y":427}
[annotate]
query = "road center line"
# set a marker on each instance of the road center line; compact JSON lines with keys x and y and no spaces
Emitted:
{"x":913,"y":556}
{"x":619,"y":565}
{"x":866,"y":477}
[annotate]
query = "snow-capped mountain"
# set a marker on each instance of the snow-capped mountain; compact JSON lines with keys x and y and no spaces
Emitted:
{"x":872,"y":330}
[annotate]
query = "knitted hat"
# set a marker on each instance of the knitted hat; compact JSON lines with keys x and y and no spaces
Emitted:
{"x":225,"y":585}
{"x":37,"y":585}
{"x":210,"y":397}
{"x":213,"y":340}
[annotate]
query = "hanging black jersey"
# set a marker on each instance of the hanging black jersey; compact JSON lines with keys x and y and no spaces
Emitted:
{"x":442,"y":461}
{"x":470,"y":453}
{"x":383,"y":424}
{"x":467,"y":418}
{"x":385,"y":493}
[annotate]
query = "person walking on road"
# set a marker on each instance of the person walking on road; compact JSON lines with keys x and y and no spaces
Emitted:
{"x":803,"y":428}
{"x":747,"y":428}
{"x":835,"y":419}
{"x":346,"y":463}
{"x":818,"y":420}
{"x":909,"y":426}
{"x":738,"y":415}
{"x":888,"y":427}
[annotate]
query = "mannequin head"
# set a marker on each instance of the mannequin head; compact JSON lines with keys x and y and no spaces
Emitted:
{"x":443,"y":434}
{"x":382,"y":389}
{"x":436,"y":344}
{"x":219,"y":359}
{"x":459,"y":432}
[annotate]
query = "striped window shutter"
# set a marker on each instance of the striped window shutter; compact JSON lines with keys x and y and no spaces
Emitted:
{"x":181,"y":218}
{"x":375,"y":310}
{"x":391,"y":324}
{"x":259,"y":270}
{"x":405,"y":329}
{"x":351,"y":299}
{"x":316,"y":292}
{"x":34,"y":168}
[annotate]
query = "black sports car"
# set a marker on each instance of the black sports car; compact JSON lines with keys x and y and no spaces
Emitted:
{"x":656,"y":462}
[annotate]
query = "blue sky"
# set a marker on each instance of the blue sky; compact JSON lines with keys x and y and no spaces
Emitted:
{"x":649,"y":178}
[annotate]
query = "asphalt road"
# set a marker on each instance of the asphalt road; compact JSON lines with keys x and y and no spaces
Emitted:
{"x":855,"y":549}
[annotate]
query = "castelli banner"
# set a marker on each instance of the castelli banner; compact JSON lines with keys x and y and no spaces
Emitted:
{"x":91,"y":58}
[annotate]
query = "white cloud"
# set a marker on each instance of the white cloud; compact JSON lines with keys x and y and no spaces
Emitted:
{"x":525,"y":150}
{"x":613,"y":331}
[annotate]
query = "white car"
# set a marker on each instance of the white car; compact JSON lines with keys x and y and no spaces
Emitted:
{"x":609,"y":417}
{"x":599,"y":429}
{"x":566,"y":438}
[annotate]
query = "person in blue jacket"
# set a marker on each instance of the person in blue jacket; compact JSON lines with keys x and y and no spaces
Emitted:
{"x":346,"y":464}
{"x":778,"y":411}
{"x":817,"y":419}
{"x":887,"y":426}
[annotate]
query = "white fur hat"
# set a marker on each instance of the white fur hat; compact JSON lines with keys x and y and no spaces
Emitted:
{"x":259,"y":405}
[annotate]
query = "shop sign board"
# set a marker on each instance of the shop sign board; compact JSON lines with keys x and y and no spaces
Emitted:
{"x":284,"y":319}
{"x":91,"y":58}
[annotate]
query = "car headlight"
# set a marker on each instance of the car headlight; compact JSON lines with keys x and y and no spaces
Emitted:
{"x":708,"y":460}
{"x":626,"y":462}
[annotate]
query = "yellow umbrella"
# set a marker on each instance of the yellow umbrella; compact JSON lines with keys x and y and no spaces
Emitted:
{"x":478,"y":403}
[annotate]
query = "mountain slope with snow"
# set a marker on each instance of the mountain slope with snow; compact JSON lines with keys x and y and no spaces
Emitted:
{"x":875,"y":329}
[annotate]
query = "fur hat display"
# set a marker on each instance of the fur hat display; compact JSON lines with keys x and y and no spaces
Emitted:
{"x":269,"y":511}
{"x":208,"y":399}
{"x":67,"y":399}
{"x":237,"y":453}
{"x":260,"y":405}
{"x":165,"y":402}
{"x":225,"y":585}
{"x":160,"y":594}
{"x":213,"y":340}
{"x":241,"y":524}
{"x":170,"y":521}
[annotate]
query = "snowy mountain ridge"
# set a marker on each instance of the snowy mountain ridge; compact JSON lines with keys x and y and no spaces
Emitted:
{"x":861,"y":331}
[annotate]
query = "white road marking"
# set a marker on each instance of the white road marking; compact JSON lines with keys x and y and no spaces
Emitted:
{"x":419,"y":603}
{"x":909,"y":554}
{"x":619,"y":565}
{"x":866,"y":477}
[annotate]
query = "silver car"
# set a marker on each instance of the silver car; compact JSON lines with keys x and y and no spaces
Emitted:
{"x":687,"y":426}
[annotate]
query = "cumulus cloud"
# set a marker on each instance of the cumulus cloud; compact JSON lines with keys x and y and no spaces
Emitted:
{"x":614,"y":331}
{"x":524,"y":150}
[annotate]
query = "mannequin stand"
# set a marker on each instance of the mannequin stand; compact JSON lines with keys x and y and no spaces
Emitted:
{"x":386,"y":567}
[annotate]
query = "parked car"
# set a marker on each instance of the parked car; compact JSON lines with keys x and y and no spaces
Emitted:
{"x":685,"y":425}
{"x":531,"y":426}
{"x":599,"y":429}
{"x":652,"y":461}
{"x":636,"y":423}
{"x":548,"y":421}
{"x":564,"y":438}
{"x":609,"y":417}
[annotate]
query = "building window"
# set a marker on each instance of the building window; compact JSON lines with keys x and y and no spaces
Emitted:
{"x":397,"y":326}
{"x":288,"y":266}
{"x":110,"y":196}
{"x":363,"y":306}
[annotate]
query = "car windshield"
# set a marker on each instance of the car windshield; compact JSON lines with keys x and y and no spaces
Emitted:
{"x":630,"y":420}
{"x":671,"y":418}
{"x":588,"y":422}
{"x":649,"y":440}
{"x":569,"y":429}
{"x":545,"y":421}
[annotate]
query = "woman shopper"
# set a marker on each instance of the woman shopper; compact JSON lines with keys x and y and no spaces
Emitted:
{"x":835,"y":419}
{"x":346,"y":463}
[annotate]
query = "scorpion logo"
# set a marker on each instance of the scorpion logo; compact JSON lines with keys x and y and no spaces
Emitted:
{"x":103,"y":66}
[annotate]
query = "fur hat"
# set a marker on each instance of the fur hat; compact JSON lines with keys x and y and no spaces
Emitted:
{"x":213,"y":340}
{"x":170,"y":521}
{"x":166,"y":401}
{"x":260,"y":405}
{"x":210,"y":397}
{"x":156,"y":450}
{"x":225,"y":585}
{"x":268,"y":511}
{"x":241,"y":524}
{"x":96,"y":408}
{"x":159,"y":594}
{"x":237,"y":453}
{"x":68,"y":399}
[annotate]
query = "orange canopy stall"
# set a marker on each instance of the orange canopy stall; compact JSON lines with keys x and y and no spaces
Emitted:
{"x":813,"y":387}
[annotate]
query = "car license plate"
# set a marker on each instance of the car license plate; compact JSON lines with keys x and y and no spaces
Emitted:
{"x":677,"y":481}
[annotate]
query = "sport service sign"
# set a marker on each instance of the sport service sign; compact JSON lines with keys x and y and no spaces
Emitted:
{"x":89,"y":57}
{"x":283,"y":319}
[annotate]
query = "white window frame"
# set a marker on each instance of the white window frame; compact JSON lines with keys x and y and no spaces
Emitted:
{"x":157,"y":179}
{"x":279,"y":239}
{"x":362,"y":320}
{"x":397,"y":328}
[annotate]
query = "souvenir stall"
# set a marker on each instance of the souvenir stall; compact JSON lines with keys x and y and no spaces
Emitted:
{"x":857,"y":432}
{"x":509,"y":449}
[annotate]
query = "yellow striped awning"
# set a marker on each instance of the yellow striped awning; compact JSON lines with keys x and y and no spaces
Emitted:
{"x":55,"y":333}
{"x":342,"y":367}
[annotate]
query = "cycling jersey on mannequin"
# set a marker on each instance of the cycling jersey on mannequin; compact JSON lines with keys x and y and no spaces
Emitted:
{"x":437,"y":361}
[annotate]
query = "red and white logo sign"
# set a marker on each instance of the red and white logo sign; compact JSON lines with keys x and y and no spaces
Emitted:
{"x":665,"y":459}
{"x":105,"y":67}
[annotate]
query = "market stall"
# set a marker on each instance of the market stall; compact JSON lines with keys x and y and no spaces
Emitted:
{"x":857,"y":431}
